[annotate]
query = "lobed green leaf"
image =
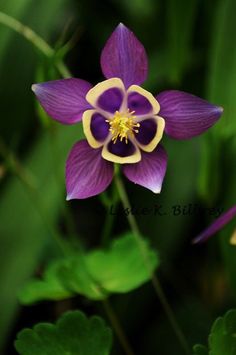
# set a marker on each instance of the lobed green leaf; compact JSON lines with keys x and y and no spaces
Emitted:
{"x":73,"y":334}
{"x":95,"y":275}
{"x":222,"y":339}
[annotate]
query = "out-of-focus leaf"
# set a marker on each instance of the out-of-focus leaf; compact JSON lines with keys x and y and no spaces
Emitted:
{"x":229,"y":198}
{"x":180,"y":24}
{"x":122,"y":267}
{"x":222,"y":338}
{"x":28,"y":9}
{"x":73,"y":334}
{"x":209,"y":176}
{"x":222,"y":67}
{"x":95,"y":275}
{"x":20,"y":7}
{"x":75,"y":277}
{"x":24,"y":232}
{"x":137,"y":8}
{"x":221,"y":90}
{"x":62,"y":279}
{"x":158,"y":69}
{"x":48,"y":288}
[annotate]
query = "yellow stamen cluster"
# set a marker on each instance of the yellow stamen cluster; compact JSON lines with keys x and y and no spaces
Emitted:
{"x":123,"y":124}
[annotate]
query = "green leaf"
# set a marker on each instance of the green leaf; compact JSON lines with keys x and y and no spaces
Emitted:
{"x":73,"y":334}
{"x":122,"y":267}
{"x":95,"y":275}
{"x":209,"y":177}
{"x":223,"y":67}
{"x":222,"y":339}
{"x":49,"y":288}
{"x":228,"y":199}
{"x":137,"y":8}
{"x":74,"y":276}
{"x":180,"y":31}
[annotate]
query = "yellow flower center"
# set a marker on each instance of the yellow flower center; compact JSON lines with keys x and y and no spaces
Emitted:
{"x":122,"y":125}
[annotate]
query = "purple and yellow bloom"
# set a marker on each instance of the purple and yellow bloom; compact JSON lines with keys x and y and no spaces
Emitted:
{"x":122,"y":122}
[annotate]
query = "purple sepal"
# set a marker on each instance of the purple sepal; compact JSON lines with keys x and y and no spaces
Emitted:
{"x":186,"y":115}
{"x":87,"y":173}
{"x":218,"y":224}
{"x":124,"y":57}
{"x":150,"y":171}
{"x":64,"y":100}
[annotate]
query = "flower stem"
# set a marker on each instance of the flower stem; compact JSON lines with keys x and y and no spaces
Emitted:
{"x":110,"y":205}
{"x":156,"y":284}
{"x":117,"y":327}
{"x":36,"y":40}
{"x":107,"y":228}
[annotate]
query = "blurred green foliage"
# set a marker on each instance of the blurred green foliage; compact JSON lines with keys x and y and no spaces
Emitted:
{"x":95,"y":274}
{"x":222,"y":337}
{"x":191,"y":47}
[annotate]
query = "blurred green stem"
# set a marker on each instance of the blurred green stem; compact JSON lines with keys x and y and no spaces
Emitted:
{"x":110,"y":217}
{"x":156,"y":284}
{"x":107,"y":228}
{"x":36,"y":40}
{"x":117,"y":327}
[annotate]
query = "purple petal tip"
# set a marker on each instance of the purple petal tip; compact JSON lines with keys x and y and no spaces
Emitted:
{"x":33,"y":87}
{"x":87,"y":173}
{"x":121,"y":25}
{"x":216,"y":226}
{"x":156,"y":191}
{"x":63,"y":100}
{"x":186,"y":115}
{"x":218,"y":110}
{"x":150,"y":171}
{"x":124,"y":57}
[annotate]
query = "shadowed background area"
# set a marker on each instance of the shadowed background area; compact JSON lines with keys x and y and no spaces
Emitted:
{"x":190,"y":45}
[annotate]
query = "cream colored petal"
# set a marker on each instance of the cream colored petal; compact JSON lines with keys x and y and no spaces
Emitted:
{"x":94,"y":93}
{"x":134,"y":158}
{"x":158,"y":136}
{"x":154,"y":103}
{"x":86,"y":120}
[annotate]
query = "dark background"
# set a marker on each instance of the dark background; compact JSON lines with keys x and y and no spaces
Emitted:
{"x":191,"y":47}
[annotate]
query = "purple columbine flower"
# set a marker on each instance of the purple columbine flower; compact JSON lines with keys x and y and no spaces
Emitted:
{"x":122,"y":122}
